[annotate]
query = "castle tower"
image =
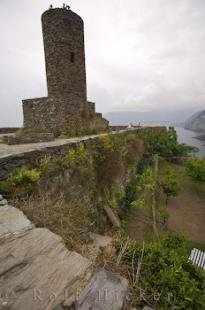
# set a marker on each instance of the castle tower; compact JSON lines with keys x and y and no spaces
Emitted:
{"x":66,"y":108}
{"x":63,"y":35}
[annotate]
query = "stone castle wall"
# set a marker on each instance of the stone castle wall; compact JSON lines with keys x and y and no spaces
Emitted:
{"x":59,"y":114}
{"x":50,"y":112}
{"x":29,"y":158}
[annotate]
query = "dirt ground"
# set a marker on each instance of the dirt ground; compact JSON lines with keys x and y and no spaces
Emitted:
{"x":187,"y":213}
{"x":187,"y":210}
{"x":139,"y":224}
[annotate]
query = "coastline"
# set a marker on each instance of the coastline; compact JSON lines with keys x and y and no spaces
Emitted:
{"x":200,"y":137}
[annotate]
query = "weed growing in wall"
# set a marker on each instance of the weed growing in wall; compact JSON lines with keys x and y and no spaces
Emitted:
{"x":21,"y":181}
{"x":115,"y":156}
{"x":113,"y":196}
{"x":112,"y":144}
{"x":45,"y":164}
{"x":77,"y":156}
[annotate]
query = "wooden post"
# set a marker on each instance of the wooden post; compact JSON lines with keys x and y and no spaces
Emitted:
{"x":112,"y":217}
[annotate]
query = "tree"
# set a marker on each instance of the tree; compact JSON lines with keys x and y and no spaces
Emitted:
{"x":170,"y":185}
{"x":145,"y":187}
{"x":196,"y":169}
{"x":163,"y":141}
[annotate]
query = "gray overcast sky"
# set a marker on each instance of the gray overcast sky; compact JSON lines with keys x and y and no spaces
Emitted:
{"x":140,"y":55}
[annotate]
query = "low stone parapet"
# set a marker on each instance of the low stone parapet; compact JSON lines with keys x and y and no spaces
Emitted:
{"x":28,"y":138}
{"x":14,"y":157}
{"x":5,"y":130}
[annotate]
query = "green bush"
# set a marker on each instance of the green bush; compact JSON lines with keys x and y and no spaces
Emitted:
{"x":130,"y":192}
{"x":24,"y":176}
{"x":106,"y":143}
{"x":164,"y":215}
{"x":113,"y":196}
{"x":76,"y":156}
{"x":167,"y":280}
{"x":164,"y":142}
{"x":138,"y":204}
{"x":21,"y":181}
{"x":196,"y":169}
{"x":144,"y":188}
{"x":45,"y":164}
{"x":115,"y":143}
{"x":170,"y":185}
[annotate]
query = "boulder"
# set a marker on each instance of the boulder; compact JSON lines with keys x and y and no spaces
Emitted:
{"x":105,"y":291}
{"x":3,"y":202}
{"x":13,"y":220}
{"x":37,"y":271}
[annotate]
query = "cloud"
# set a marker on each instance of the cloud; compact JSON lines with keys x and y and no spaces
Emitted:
{"x":140,"y":55}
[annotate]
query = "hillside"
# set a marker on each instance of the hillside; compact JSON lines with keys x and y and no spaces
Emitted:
{"x":154,"y":117}
{"x":196,"y":122}
{"x":113,"y":184}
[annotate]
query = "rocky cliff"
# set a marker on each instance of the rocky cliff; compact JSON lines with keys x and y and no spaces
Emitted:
{"x":38,"y":272}
{"x":196,"y":122}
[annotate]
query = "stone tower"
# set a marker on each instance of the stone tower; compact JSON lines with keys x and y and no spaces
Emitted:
{"x":66,"y":108}
{"x":63,"y":34}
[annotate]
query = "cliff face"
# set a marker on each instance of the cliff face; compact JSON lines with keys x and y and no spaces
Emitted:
{"x":196,"y":122}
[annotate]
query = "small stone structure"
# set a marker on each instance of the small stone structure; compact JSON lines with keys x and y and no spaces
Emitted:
{"x":66,"y":108}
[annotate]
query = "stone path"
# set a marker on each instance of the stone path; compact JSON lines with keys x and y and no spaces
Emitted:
{"x":8,"y":150}
{"x":38,"y":272}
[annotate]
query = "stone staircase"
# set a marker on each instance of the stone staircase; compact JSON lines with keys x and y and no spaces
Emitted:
{"x":38,"y":272}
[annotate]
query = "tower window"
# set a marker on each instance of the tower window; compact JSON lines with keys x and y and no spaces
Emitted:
{"x":72,"y":57}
